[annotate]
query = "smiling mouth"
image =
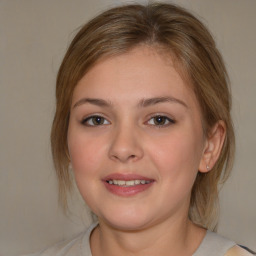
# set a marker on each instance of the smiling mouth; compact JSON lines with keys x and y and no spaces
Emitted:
{"x":128,"y":183}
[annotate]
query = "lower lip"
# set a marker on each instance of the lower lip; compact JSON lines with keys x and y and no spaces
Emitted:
{"x":127,"y":191}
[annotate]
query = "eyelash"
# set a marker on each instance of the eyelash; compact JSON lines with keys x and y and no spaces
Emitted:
{"x":89,"y":121}
{"x":165,"y":119}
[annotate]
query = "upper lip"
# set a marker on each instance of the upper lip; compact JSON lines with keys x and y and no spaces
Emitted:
{"x":126,"y":177}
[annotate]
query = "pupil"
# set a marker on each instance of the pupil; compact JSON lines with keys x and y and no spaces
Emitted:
{"x":160,"y":120}
{"x":97,"y":120}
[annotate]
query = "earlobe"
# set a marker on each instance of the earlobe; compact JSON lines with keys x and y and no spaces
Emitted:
{"x":213,"y":146}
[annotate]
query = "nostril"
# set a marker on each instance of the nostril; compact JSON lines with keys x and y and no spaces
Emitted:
{"x":124,"y":158}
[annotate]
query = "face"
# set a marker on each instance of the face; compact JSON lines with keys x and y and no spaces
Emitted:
{"x":135,"y":140}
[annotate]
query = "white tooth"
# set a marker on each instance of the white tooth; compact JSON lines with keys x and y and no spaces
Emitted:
{"x":130,"y":183}
{"x":120,"y":182}
{"x":137,"y":182}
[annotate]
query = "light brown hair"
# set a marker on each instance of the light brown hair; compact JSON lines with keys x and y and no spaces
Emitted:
{"x":179,"y":33}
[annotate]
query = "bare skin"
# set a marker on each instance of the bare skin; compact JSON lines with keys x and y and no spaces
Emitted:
{"x":174,"y":241}
{"x":133,"y":116}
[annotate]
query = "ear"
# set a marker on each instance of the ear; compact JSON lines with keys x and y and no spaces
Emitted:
{"x":213,"y":145}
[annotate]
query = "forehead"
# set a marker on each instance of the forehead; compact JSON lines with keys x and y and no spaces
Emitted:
{"x":144,"y":72}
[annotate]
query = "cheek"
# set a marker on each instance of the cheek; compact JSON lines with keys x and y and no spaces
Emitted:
{"x":85,"y":152}
{"x":178,"y":155}
{"x":177,"y":162}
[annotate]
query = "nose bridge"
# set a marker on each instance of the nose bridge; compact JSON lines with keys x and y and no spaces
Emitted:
{"x":126,"y":143}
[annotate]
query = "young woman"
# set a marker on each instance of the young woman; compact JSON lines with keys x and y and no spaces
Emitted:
{"x":143,"y":120}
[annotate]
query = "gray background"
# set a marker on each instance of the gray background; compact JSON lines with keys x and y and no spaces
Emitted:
{"x":34,"y":37}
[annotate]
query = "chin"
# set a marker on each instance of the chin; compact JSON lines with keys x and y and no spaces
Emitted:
{"x":126,"y":221}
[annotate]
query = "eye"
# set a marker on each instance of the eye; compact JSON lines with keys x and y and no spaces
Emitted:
{"x":160,"y":121}
{"x":95,"y":121}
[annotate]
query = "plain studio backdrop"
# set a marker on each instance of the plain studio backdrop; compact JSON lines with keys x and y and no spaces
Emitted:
{"x":34,"y":37}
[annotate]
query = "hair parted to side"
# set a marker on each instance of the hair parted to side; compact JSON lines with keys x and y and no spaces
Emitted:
{"x":185,"y":38}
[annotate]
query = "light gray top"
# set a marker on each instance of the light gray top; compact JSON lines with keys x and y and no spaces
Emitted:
{"x":212,"y":245}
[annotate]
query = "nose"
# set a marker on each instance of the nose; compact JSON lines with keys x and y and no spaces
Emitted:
{"x":126,"y":145}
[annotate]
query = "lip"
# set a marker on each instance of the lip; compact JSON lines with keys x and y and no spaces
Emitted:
{"x":130,"y":190}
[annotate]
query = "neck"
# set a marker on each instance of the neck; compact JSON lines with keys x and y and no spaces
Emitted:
{"x":172,"y":238}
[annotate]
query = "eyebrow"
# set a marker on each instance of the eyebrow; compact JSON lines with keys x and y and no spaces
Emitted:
{"x":143,"y":103}
{"x":97,"y":102}
{"x":157,"y":100}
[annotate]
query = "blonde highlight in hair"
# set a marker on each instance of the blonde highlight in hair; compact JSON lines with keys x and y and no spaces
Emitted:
{"x":179,"y":33}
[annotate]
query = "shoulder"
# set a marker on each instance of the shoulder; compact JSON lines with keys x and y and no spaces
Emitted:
{"x":214,"y":244}
{"x":238,"y":251}
{"x":64,"y":248}
{"x":68,"y":247}
{"x":77,"y":246}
